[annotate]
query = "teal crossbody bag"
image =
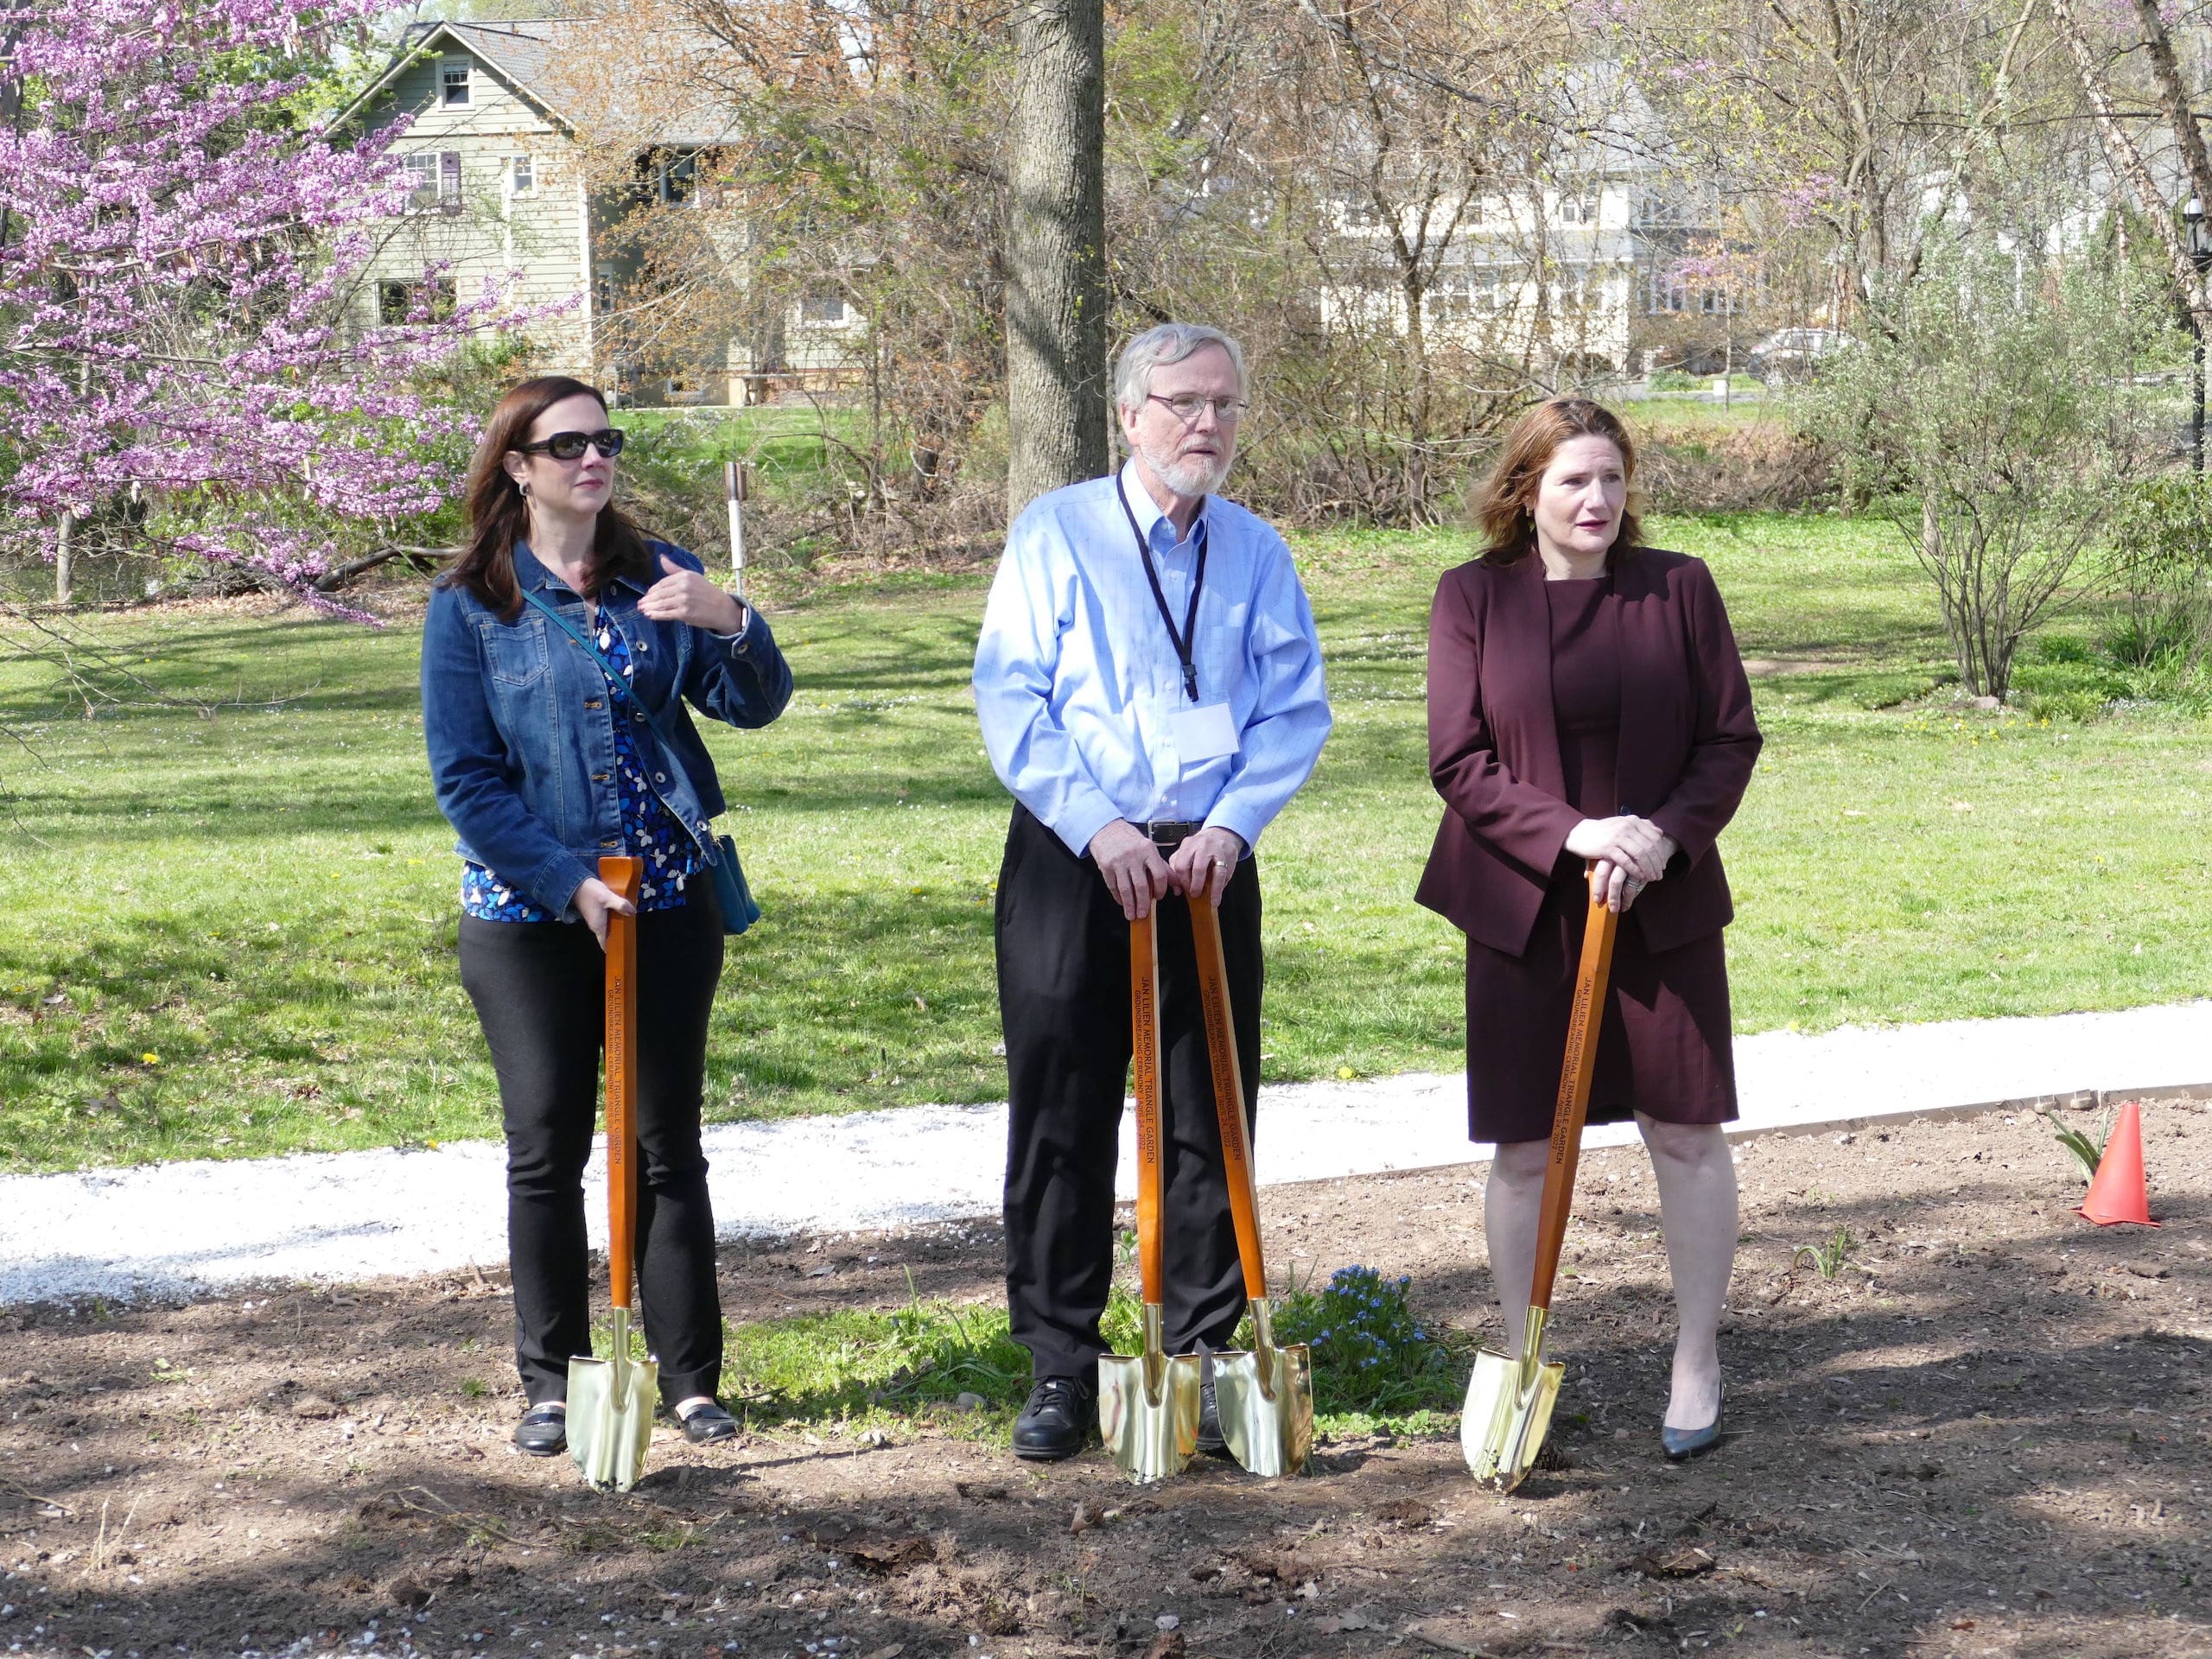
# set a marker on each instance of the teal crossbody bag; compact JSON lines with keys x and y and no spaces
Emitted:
{"x":739,"y":907}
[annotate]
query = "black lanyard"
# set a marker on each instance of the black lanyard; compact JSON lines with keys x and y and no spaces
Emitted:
{"x":1183,"y":641}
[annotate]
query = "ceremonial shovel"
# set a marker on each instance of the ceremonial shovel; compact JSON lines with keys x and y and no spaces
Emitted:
{"x":1148,"y":1403}
{"x":1510,"y":1401}
{"x":1266,"y":1395}
{"x":611,"y":1401}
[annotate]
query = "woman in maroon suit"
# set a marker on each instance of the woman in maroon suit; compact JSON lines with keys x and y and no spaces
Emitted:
{"x":1588,"y":707}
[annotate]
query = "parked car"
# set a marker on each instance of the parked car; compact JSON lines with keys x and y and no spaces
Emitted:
{"x":1791,"y":353}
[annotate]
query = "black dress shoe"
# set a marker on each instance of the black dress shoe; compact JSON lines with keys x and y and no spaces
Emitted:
{"x":1212,"y":1441}
{"x":705,"y":1424}
{"x":1683,"y":1444}
{"x":543,"y":1431}
{"x":1057,"y":1422}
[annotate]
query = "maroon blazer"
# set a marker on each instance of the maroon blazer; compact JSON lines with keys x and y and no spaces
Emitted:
{"x":1687,"y":743}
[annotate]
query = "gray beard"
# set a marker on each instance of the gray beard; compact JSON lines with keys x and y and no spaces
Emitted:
{"x":1189,"y":478}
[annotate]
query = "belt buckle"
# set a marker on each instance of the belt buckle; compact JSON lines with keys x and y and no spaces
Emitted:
{"x":1169,"y":834}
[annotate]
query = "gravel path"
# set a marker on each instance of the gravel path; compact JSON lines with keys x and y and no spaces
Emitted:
{"x":180,"y":1230}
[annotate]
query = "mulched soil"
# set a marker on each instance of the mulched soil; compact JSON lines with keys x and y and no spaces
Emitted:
{"x":1989,"y":1437}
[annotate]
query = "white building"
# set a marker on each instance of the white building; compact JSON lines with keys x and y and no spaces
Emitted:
{"x":1575,"y":269}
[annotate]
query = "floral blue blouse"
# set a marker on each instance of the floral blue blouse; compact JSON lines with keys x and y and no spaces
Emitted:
{"x":671,"y":857}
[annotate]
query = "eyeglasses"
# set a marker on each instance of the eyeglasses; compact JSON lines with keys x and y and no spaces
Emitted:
{"x":569,"y":445}
{"x":1189,"y":406}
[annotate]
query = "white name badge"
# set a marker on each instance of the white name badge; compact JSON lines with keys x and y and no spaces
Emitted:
{"x":1205,"y":732}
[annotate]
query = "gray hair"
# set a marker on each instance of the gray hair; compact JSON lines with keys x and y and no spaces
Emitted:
{"x":1159,"y":346}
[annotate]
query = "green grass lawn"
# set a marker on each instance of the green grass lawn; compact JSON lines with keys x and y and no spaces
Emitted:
{"x":1374,"y":1369}
{"x":233,"y":934}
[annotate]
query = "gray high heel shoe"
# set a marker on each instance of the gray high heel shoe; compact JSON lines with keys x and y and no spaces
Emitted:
{"x":1681,"y":1445}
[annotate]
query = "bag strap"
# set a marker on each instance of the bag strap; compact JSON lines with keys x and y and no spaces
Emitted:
{"x":616,"y":684}
{"x":619,"y":686}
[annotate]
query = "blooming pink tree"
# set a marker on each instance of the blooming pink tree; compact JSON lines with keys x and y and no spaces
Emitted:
{"x":180,"y":347}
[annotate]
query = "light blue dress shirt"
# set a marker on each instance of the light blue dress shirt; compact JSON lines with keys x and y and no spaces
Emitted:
{"x":1077,"y":679}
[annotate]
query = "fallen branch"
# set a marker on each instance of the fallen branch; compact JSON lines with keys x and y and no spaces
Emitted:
{"x":422,"y":560}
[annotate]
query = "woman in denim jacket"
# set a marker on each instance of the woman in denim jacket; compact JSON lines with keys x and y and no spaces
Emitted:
{"x":540,"y":767}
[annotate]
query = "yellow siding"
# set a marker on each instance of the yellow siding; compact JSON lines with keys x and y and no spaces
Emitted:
{"x":536,"y":237}
{"x":541,"y":240}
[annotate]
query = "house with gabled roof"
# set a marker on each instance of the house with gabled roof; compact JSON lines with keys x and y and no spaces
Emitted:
{"x":500,"y":120}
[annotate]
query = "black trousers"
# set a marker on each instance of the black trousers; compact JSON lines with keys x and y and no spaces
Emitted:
{"x":1064,"y":1000}
{"x":539,"y":989}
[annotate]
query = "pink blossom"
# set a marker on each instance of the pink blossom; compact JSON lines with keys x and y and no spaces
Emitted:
{"x":183,"y":268}
{"x":1802,"y":200}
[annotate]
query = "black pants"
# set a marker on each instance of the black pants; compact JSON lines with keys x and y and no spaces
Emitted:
{"x":539,"y":989}
{"x":1064,"y":998}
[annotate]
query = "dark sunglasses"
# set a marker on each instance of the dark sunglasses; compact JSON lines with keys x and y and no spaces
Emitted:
{"x":569,"y":446}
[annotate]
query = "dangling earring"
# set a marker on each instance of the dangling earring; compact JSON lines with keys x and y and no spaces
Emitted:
{"x":523,"y":486}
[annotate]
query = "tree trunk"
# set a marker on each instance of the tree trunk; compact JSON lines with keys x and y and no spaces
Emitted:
{"x":64,"y":559}
{"x":1413,"y":476}
{"x":1057,"y":307}
{"x":2126,"y":160}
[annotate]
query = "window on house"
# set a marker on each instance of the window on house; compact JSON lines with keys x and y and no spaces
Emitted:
{"x":1665,"y":296}
{"x":423,"y":178}
{"x":420,"y":302}
{"x":1578,"y":210}
{"x":679,"y":179}
{"x":449,"y":181}
{"x":453,"y":83}
{"x":521,"y":175}
{"x":821,"y":308}
{"x":709,"y":168}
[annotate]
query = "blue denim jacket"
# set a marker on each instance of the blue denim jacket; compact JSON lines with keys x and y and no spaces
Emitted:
{"x":520,"y":726}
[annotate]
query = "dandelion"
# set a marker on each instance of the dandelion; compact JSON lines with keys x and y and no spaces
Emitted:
{"x":149,"y":1059}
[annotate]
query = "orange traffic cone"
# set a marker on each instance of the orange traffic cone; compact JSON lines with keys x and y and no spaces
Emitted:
{"x":2119,"y":1193}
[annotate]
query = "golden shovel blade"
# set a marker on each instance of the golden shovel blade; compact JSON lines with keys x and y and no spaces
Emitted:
{"x":611,"y":1412}
{"x":1265,"y":1396}
{"x":1148,"y":1408}
{"x":1508,"y":1410}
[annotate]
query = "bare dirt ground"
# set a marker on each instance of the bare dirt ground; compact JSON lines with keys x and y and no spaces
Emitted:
{"x":1989,"y":1437}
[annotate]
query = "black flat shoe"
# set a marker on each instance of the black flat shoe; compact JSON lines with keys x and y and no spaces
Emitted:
{"x":705,"y":1424}
{"x":1682,"y":1443}
{"x":1058,"y":1421}
{"x":543,"y":1431}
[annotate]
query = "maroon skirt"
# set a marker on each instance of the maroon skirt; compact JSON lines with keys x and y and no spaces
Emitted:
{"x":1664,"y":1047}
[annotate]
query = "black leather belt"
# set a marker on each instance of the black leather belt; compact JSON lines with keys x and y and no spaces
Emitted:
{"x":1169,"y":834}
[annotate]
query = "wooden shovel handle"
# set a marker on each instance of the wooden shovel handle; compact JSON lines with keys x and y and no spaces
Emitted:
{"x":1229,"y":1094}
{"x":1573,"y":1107}
{"x":1144,"y":1033}
{"x":622,"y":875}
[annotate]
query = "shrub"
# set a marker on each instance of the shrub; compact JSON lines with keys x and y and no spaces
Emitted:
{"x":1996,"y":415}
{"x":2159,"y":557}
{"x":1691,"y":466}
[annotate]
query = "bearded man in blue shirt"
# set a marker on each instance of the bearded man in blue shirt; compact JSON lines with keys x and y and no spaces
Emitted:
{"x":1150,"y":689}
